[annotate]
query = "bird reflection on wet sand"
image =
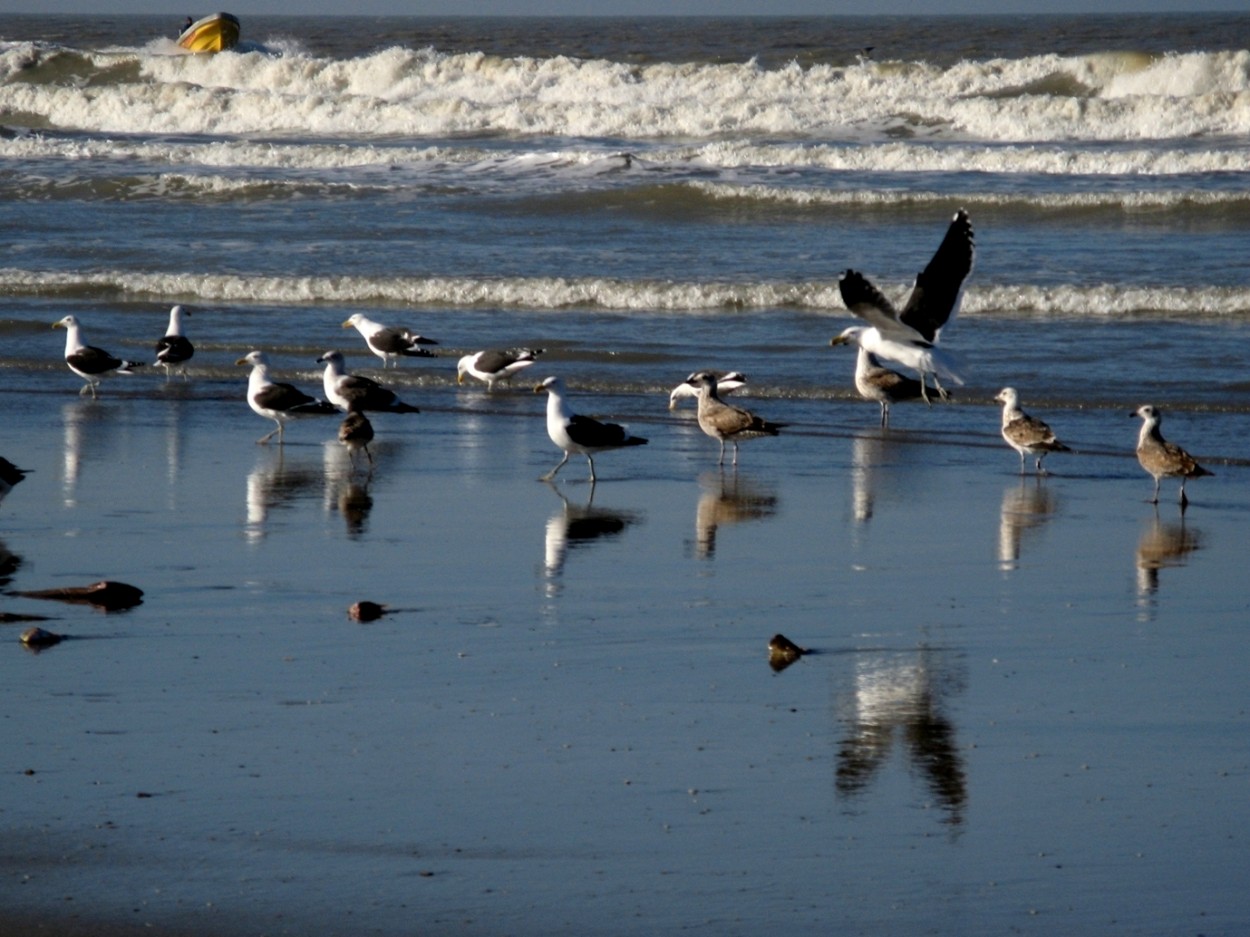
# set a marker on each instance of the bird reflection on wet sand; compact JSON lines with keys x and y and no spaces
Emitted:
{"x":1027,"y":506}
{"x":577,"y":525}
{"x":731,"y":499}
{"x":274,"y":483}
{"x":1163,"y":545}
{"x":347,"y":488}
{"x":899,"y":696}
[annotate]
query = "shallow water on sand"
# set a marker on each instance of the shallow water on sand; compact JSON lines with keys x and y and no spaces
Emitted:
{"x":1023,"y":711}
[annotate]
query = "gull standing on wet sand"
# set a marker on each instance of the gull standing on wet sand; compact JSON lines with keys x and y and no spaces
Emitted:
{"x":910,"y":337}
{"x":724,"y":422}
{"x":1163,"y":459}
{"x":1024,"y":433}
{"x":575,"y":433}
{"x":874,"y":381}
{"x":351,"y":392}
{"x":175,"y":349}
{"x":88,"y":362}
{"x":492,"y":366}
{"x":389,"y":343}
{"x":277,"y":402}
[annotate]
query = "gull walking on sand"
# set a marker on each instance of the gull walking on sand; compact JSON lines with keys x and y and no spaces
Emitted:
{"x":1026,"y":434}
{"x":492,"y":366}
{"x":1163,"y":459}
{"x":724,"y":422}
{"x":276,"y":401}
{"x":575,"y":433}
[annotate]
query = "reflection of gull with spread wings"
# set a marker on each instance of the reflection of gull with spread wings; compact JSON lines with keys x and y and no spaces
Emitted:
{"x":1026,"y":506}
{"x":1163,"y":545}
{"x":728,"y":501}
{"x":271,"y":484}
{"x":572,"y":526}
{"x":900,"y":694}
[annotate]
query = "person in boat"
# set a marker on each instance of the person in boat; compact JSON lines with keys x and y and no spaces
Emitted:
{"x":185,"y":24}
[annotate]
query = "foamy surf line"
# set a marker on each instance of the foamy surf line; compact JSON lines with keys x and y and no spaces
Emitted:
{"x":421,"y":92}
{"x":556,"y":294}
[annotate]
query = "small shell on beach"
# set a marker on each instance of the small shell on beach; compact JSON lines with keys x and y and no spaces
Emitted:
{"x":366,"y":611}
{"x":37,"y":638}
{"x":782,"y":652}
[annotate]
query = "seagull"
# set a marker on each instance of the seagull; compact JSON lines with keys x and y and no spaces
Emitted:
{"x":910,"y":337}
{"x":278,"y":402}
{"x":356,"y":432}
{"x":389,"y":344}
{"x":491,"y":365}
{"x":174,"y":350}
{"x":726,"y":383}
{"x":88,"y":362}
{"x":1024,"y":433}
{"x":575,"y":433}
{"x":723,"y":422}
{"x":873,"y":380}
{"x":351,"y":392}
{"x":1161,"y":458}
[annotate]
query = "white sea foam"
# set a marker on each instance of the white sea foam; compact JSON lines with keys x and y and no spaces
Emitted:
{"x":555,"y":294}
{"x":400,"y":92}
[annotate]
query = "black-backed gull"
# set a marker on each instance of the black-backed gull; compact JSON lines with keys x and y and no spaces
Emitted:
{"x":575,"y":433}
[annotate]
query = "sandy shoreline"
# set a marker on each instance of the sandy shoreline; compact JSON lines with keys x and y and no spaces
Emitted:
{"x":569,"y":723}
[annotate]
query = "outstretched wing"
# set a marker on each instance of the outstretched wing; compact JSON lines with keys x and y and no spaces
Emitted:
{"x":934,"y":300}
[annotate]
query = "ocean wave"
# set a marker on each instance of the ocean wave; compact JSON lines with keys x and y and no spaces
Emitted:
{"x":559,"y":294}
{"x":401,"y":92}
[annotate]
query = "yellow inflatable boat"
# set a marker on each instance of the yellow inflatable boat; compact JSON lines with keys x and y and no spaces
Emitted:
{"x":211,"y":33}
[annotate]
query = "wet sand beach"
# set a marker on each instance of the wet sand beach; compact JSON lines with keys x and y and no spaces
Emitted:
{"x":1022,"y":709}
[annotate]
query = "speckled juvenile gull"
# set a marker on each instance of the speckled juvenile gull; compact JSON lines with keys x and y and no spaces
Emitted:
{"x":1163,"y":459}
{"x":1027,"y":435}
{"x":724,"y":422}
{"x":873,"y":380}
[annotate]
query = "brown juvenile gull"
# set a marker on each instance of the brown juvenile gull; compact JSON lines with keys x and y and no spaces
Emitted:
{"x":875,"y":381}
{"x":356,"y":432}
{"x":492,"y":365}
{"x":1163,"y":459}
{"x":1026,"y":434}
{"x":724,"y":422}
{"x":389,"y":343}
{"x":88,"y":362}
{"x":910,"y":337}
{"x":573,"y":432}
{"x":726,"y":383}
{"x":174,"y":350}
{"x":279,"y":402}
{"x":351,"y":392}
